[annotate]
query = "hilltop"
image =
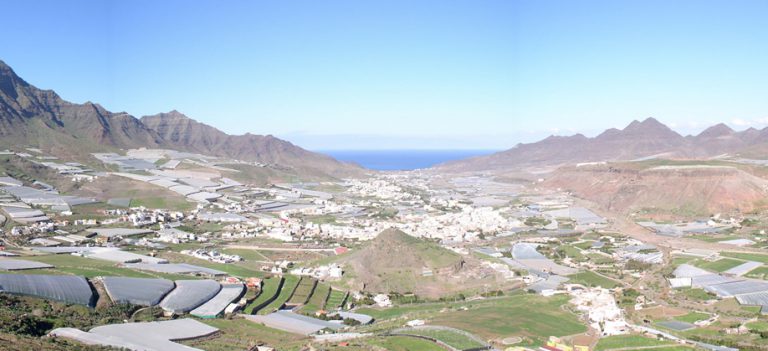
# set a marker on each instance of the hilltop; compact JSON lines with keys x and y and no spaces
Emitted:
{"x":33,"y":117}
{"x":397,"y":262}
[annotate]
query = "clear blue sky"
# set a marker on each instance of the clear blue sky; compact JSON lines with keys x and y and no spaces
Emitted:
{"x":402,"y":74}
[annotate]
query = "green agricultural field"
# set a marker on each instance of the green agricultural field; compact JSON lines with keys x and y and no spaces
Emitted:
{"x":247,"y":255}
{"x":746,"y":256}
{"x":572,"y":252}
{"x":268,"y":290}
{"x":171,"y":203}
{"x":693,"y":317}
{"x":584,"y":245}
{"x":238,"y":269}
{"x":759,"y":326}
{"x":89,"y":268}
{"x":290,"y":284}
{"x":404,"y":343}
{"x":317,"y":301}
{"x":627,"y":341}
{"x":303,"y":291}
{"x":240,"y":334}
{"x":336,"y":299}
{"x":680,"y":259}
{"x":496,"y":318}
{"x":758,"y":273}
{"x":451,"y":338}
{"x":720,"y":265}
{"x":696,"y":294}
{"x":590,"y":278}
{"x":599,"y":259}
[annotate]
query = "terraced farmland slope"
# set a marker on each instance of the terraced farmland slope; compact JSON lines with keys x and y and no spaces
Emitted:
{"x":290,"y":282}
{"x":269,"y":290}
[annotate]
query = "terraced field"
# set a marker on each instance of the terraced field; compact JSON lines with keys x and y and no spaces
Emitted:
{"x":289,"y":285}
{"x":336,"y":299}
{"x":317,"y":301}
{"x":269,"y":289}
{"x":303,"y":291}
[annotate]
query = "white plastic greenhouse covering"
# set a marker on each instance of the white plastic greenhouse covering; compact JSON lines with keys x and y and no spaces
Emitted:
{"x":190,"y":294}
{"x":16,"y":265}
{"x":743,"y":268}
{"x":64,"y":288}
{"x":758,"y":299}
{"x":137,"y":291}
{"x":687,"y":271}
{"x":526,"y":251}
{"x":216,"y":305}
{"x":174,"y":268}
{"x":738,"y":288}
{"x":149,"y":336}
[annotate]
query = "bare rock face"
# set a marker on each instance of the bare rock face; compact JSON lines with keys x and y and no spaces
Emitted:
{"x":181,"y":132}
{"x":34,"y":117}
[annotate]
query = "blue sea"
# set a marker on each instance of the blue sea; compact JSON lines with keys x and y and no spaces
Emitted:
{"x":402,"y":160}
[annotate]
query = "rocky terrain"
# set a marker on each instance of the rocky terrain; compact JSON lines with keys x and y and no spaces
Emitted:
{"x":40,"y":118}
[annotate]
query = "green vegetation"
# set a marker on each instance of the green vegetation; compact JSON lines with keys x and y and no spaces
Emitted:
{"x":696,"y":294}
{"x":171,"y":203}
{"x":589,"y":278}
{"x":681,"y":259}
{"x":322,"y":219}
{"x":626,"y":341}
{"x":317,"y":301}
{"x":239,"y":334}
{"x":336,"y":299}
{"x":572,"y":252}
{"x":537,"y":222}
{"x":492,"y":318}
{"x":303,"y":291}
{"x":449,"y":337}
{"x":512,"y":316}
{"x":758,"y":326}
{"x":584,"y":244}
{"x":746,"y":256}
{"x":404,"y":343}
{"x":758,"y":273}
{"x":89,"y":268}
{"x":289,"y":285}
{"x":35,"y":317}
{"x":247,"y":255}
{"x":720,"y":265}
{"x":692,"y":317}
{"x":238,"y":269}
{"x":599,"y":259}
{"x":269,"y":288}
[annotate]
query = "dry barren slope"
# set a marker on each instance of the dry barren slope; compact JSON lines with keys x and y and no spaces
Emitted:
{"x":683,"y":189}
{"x":395,"y":261}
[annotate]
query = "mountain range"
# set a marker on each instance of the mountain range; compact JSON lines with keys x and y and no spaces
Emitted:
{"x":34,"y":117}
{"x":647,"y":139}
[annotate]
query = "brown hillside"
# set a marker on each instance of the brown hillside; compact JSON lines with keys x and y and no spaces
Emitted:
{"x":692,"y":190}
{"x":395,"y":262}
